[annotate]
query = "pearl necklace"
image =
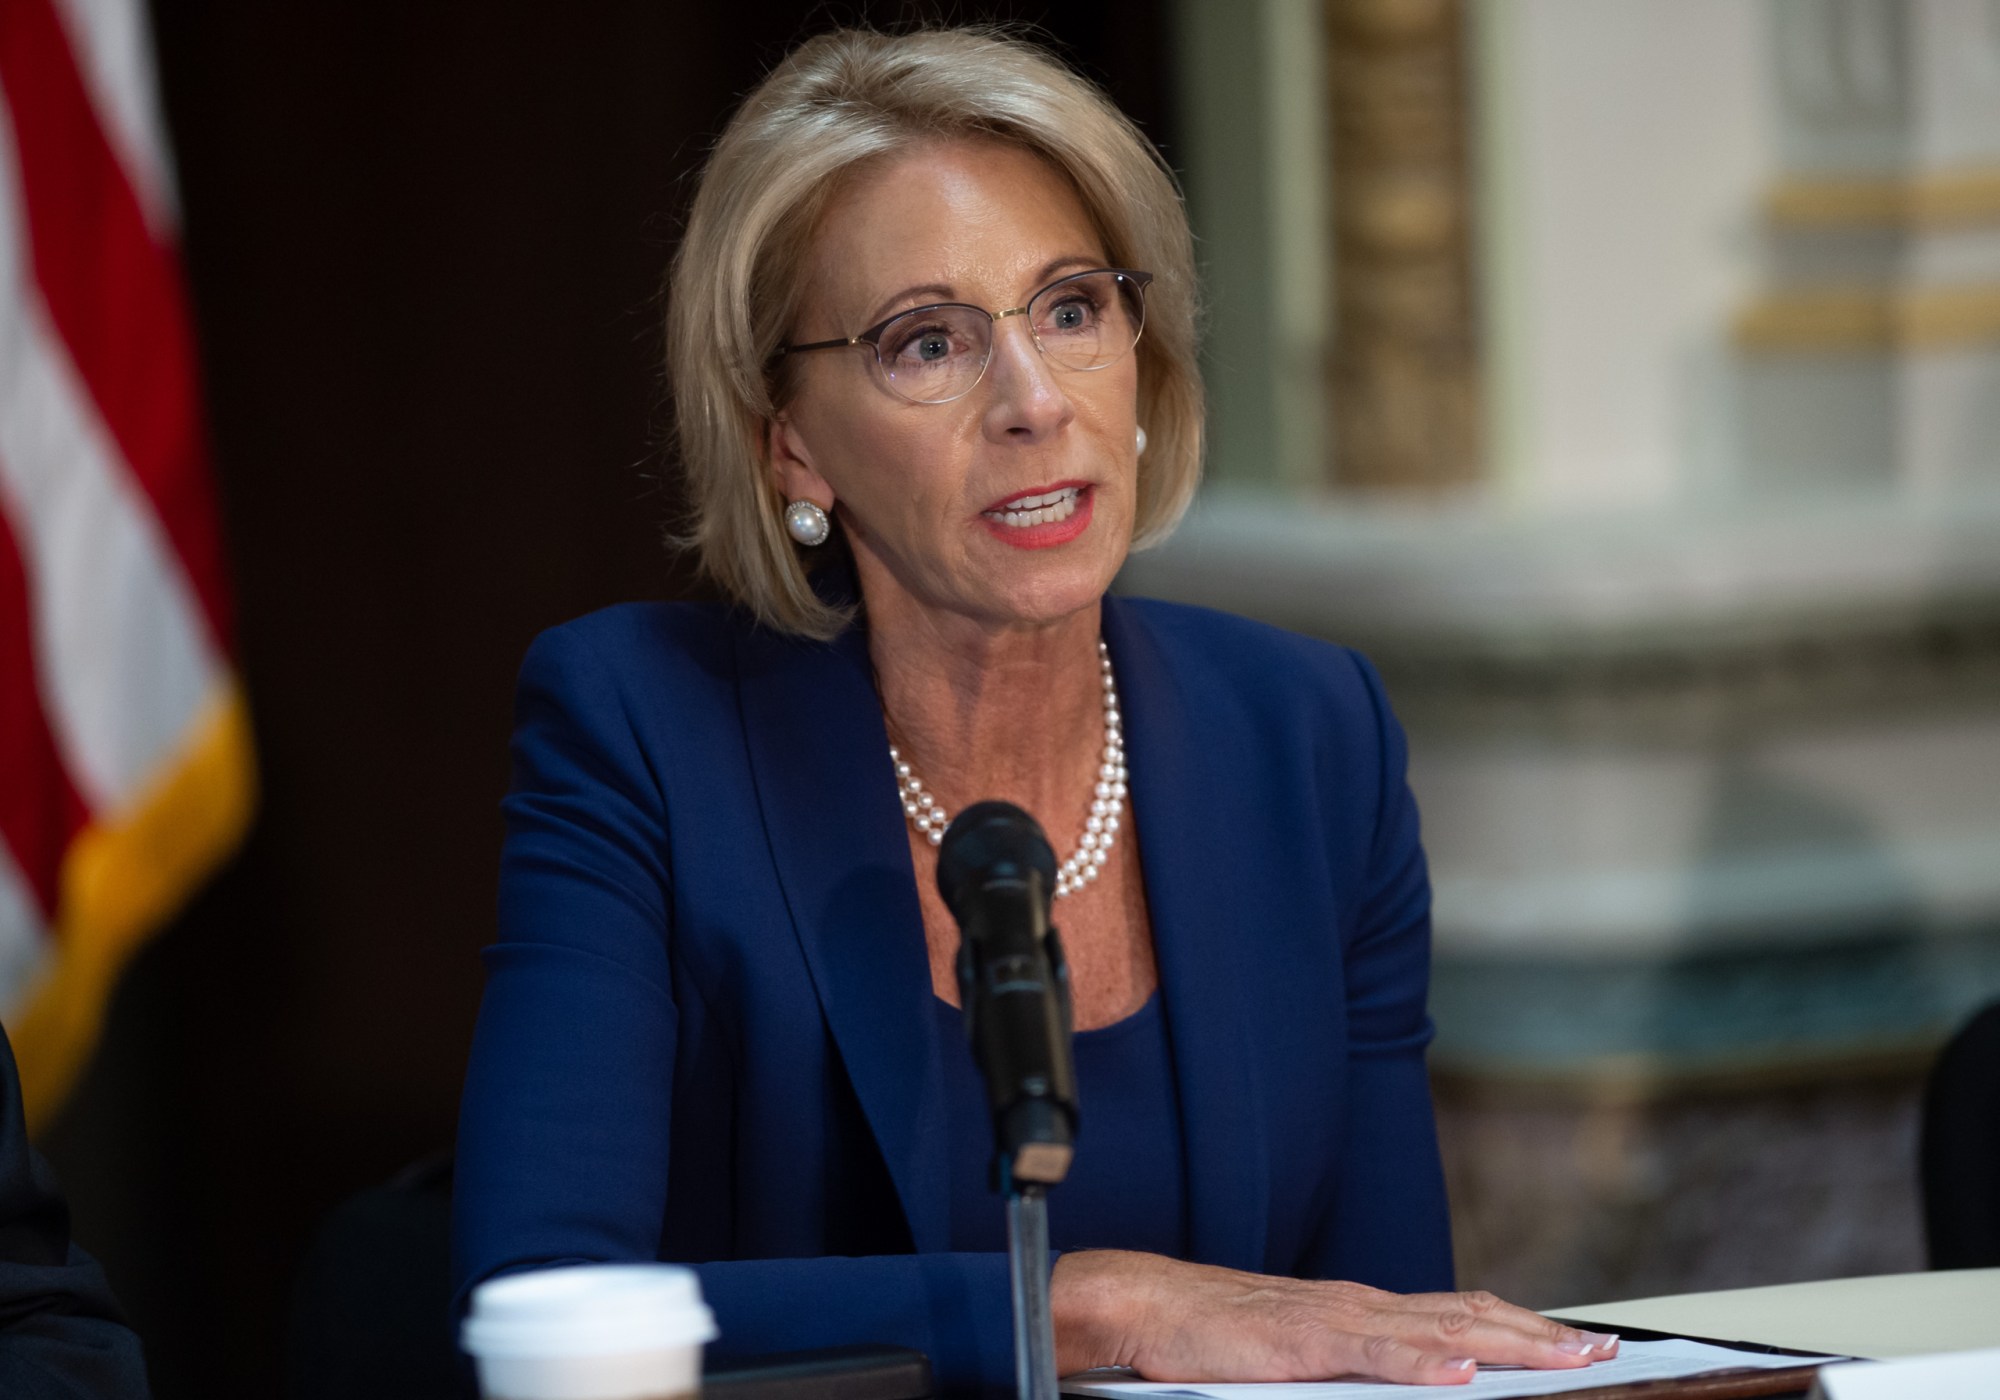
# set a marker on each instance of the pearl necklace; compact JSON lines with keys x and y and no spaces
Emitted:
{"x":1107,"y":804}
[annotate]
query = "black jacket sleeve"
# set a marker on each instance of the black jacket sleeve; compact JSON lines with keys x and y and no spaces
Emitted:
{"x":62,"y":1336}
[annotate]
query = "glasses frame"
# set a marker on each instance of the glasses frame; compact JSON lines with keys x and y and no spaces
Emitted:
{"x":872,"y":337}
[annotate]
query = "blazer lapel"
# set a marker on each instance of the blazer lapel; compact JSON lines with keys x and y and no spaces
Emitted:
{"x":1185,"y":793}
{"x":820,"y":759}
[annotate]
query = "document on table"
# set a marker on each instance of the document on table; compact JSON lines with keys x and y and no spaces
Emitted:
{"x":1636,"y":1361}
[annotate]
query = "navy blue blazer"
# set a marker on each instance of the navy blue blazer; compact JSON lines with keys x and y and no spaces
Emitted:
{"x":708,"y":1034}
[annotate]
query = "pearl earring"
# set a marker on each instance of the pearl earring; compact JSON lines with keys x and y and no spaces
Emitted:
{"x":807,"y":523}
{"x":1142,"y":442}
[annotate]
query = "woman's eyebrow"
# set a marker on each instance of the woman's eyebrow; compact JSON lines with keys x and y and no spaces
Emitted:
{"x":929,"y":292}
{"x":1054,"y":266}
{"x":916,"y":296}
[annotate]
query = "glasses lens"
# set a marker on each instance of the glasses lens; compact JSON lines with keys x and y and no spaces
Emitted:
{"x":935,"y":353}
{"x":1089,"y":321}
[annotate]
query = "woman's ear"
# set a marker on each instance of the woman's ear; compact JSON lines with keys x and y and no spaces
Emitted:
{"x":790,"y":461}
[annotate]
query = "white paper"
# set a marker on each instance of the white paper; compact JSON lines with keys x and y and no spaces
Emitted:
{"x":1636,"y":1361}
{"x":1969,"y":1375}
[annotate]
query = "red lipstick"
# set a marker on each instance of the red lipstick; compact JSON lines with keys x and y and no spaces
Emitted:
{"x":1041,"y":517}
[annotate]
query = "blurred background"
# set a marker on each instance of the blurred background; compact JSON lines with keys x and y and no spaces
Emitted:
{"x":1624,"y":378}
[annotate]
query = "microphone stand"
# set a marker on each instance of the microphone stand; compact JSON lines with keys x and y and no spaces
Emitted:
{"x":1028,"y":1272}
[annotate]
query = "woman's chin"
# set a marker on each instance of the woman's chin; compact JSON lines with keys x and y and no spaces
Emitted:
{"x":1048,"y":581}
{"x":994,"y":584}
{"x":1051,"y":596}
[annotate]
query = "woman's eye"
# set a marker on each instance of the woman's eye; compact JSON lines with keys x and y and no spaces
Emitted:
{"x":923,"y":345}
{"x":1075,"y":314}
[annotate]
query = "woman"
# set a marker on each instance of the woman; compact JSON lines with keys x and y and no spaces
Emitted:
{"x":923,"y":430}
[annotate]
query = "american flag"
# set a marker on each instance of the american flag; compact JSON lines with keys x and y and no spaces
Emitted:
{"x":125,"y":763}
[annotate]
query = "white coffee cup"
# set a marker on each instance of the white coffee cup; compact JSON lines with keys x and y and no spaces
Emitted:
{"x":589,"y":1332}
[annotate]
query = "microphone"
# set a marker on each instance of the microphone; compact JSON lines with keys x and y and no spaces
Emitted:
{"x":997,"y":875}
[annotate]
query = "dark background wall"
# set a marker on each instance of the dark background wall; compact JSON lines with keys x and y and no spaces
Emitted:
{"x":426,"y":243}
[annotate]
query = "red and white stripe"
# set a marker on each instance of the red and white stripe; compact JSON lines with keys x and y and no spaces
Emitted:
{"x":112,"y":600}
{"x":114,"y":52}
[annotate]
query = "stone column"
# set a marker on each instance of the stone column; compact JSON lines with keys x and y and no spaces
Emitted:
{"x":1404,"y":373}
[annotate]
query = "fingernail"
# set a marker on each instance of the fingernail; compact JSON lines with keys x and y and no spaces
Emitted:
{"x":1464,"y":1363}
{"x":1577,"y":1348}
{"x":1605,"y":1340}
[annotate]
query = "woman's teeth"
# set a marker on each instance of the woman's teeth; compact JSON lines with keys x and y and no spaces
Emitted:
{"x":1038,"y":510}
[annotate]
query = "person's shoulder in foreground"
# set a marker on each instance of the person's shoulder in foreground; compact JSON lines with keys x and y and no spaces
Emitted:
{"x":62,"y":1336}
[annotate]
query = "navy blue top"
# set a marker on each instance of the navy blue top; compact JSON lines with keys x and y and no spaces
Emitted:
{"x":708,"y":1032}
{"x":1127,"y":1188}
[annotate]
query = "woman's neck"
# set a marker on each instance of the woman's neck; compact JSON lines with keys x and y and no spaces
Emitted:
{"x":1014,"y":713}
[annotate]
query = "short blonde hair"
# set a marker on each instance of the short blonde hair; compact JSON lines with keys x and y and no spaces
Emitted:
{"x":836,"y":101}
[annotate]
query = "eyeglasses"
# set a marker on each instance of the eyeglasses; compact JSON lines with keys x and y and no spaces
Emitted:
{"x":934,"y":354}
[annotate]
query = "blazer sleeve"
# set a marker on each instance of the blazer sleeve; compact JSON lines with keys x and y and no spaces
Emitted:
{"x":563,"y":1127}
{"x":62,"y":1336}
{"x":1387,"y":1223}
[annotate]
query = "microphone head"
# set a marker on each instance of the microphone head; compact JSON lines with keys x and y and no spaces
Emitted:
{"x":991,"y":841}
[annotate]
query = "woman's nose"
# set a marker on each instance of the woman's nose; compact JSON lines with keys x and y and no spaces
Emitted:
{"x":1027,"y":399}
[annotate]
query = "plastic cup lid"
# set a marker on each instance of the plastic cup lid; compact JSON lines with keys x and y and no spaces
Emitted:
{"x":584,"y":1309}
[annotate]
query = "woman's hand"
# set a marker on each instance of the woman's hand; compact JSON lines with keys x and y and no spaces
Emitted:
{"x":1172,"y":1321}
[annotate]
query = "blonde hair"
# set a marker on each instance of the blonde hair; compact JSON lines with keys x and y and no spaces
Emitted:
{"x":851,"y":96}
